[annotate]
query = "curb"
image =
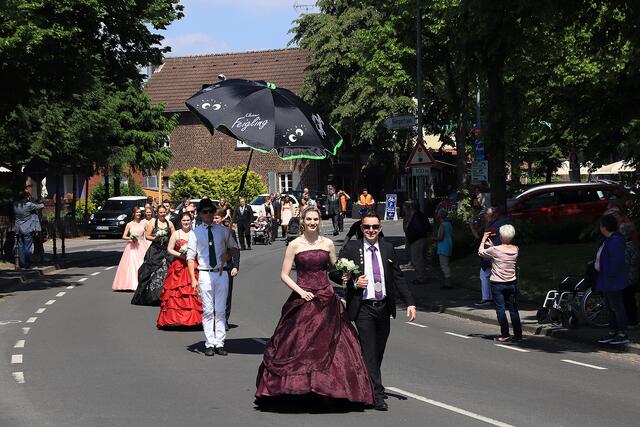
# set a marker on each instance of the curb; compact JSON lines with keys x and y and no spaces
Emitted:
{"x":535,"y":329}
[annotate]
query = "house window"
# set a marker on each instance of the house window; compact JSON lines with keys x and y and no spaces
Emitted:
{"x":241,"y":145}
{"x":151,"y":181}
{"x":286,"y":182}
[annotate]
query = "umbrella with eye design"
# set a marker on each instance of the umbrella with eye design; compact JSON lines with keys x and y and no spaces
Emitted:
{"x":266,"y":118}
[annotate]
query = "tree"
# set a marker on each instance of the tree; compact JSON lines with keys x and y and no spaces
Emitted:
{"x":216,"y":184}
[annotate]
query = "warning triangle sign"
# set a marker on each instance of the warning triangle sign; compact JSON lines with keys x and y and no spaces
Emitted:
{"x":419,"y":156}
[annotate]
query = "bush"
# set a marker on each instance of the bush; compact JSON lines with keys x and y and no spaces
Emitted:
{"x":92,"y":208}
{"x":216,"y":184}
{"x":131,"y":189}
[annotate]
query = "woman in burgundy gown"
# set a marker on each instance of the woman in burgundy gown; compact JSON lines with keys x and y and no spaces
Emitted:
{"x":314,"y":349}
{"x":180,"y":304}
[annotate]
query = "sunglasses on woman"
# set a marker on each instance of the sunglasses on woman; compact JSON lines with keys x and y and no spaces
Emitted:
{"x":369,"y":226}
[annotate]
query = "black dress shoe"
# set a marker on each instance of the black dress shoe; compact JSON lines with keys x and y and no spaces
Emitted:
{"x":210,"y":351}
{"x":381,"y":405}
{"x":220,"y":351}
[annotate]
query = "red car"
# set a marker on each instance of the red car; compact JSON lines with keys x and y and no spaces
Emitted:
{"x":553,"y":202}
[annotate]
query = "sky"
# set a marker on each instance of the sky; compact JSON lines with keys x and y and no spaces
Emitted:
{"x":222,"y":26}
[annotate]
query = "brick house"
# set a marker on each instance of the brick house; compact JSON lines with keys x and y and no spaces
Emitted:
{"x":178,"y":78}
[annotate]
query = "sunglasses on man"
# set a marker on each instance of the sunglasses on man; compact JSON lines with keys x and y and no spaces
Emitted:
{"x":369,"y":226}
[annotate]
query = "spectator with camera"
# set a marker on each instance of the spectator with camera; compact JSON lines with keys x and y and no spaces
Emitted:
{"x":26,"y":225}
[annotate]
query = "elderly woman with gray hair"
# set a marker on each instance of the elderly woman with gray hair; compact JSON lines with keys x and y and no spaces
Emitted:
{"x":504,"y":283}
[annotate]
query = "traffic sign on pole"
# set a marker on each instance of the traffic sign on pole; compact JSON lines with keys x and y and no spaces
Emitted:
{"x":400,"y":122}
{"x":420,"y":156}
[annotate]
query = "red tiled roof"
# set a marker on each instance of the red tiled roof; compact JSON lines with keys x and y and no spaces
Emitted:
{"x":180,"y":77}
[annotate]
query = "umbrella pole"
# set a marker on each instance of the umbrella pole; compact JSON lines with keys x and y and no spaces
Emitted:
{"x":244,"y":175}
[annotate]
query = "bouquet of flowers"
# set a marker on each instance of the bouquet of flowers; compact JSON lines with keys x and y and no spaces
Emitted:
{"x":183,"y":249}
{"x":134,"y":237}
{"x":161,"y":232}
{"x":347,"y":266}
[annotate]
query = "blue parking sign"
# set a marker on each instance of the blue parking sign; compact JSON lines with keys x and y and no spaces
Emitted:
{"x":390,"y":211}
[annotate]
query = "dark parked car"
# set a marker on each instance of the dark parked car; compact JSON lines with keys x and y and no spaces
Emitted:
{"x":112,"y":218}
{"x":554,"y":202}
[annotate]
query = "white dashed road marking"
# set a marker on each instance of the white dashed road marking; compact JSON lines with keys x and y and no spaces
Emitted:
{"x":586,"y":365}
{"x":16,"y":359}
{"x":458,"y":335}
{"x":82,"y":280}
{"x":70,"y":287}
{"x":95,"y":273}
{"x":40,"y":310}
{"x":521,"y":350}
{"x":260,"y":340}
{"x":450,"y":408}
{"x":108,"y":268}
{"x":51,"y":301}
{"x":416,"y":324}
{"x":19,"y":344}
{"x":18,"y":376}
{"x":61,"y":294}
{"x":32,"y":319}
{"x":25,"y":331}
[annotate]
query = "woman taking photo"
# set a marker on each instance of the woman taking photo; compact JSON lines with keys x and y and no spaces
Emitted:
{"x":154,"y":269}
{"x":133,"y":256}
{"x":180,"y":304}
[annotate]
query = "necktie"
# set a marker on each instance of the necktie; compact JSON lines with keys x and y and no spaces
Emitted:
{"x":212,"y":248}
{"x":377,"y":276}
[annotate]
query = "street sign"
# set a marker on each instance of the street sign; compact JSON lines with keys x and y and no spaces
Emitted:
{"x":400,"y":122}
{"x":479,"y":150}
{"x":479,"y":171}
{"x":539,"y":149}
{"x":419,"y":156}
{"x":421,"y":171}
{"x":390,"y":211}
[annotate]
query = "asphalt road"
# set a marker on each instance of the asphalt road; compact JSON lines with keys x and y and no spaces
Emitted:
{"x":74,"y":353}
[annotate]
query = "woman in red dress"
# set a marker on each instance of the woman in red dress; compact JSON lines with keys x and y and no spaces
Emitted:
{"x":180,"y":304}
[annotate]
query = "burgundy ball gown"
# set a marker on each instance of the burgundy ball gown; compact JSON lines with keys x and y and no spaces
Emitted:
{"x":314,"y":348}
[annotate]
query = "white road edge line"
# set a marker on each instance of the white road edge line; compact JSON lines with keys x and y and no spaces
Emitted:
{"x":260,"y":340}
{"x":51,"y":301}
{"x":40,"y":310}
{"x":459,"y":335}
{"x":82,"y":280}
{"x":25,"y":331}
{"x":586,"y":365}
{"x":95,"y":273}
{"x":70,"y":287}
{"x":61,"y":294}
{"x":18,"y":376}
{"x":32,"y":319}
{"x":108,"y":268}
{"x":416,"y":324}
{"x":19,"y":344}
{"x":521,"y":350}
{"x":16,"y":359}
{"x":451,"y":408}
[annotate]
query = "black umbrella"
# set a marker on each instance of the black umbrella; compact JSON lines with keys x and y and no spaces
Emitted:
{"x":266,"y":118}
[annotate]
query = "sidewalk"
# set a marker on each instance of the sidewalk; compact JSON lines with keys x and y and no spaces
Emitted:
{"x":460,"y":302}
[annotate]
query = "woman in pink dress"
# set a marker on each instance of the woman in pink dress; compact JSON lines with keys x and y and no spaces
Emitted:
{"x":133,"y":256}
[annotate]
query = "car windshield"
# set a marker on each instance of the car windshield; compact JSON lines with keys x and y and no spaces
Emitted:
{"x":259,"y":200}
{"x":119,"y":205}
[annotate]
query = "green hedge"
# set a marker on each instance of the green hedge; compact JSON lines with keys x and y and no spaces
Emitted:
{"x":216,"y":184}
{"x":131,"y":189}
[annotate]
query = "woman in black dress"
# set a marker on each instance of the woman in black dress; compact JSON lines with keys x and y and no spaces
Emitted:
{"x":153,"y":271}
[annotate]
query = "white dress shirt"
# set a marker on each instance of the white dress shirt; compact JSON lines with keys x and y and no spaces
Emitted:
{"x":198,"y":246}
{"x":370,"y":292}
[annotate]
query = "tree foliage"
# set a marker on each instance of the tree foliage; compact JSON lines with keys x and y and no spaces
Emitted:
{"x":216,"y":184}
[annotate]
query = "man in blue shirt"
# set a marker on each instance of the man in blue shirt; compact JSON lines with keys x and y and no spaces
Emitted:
{"x":27,"y":223}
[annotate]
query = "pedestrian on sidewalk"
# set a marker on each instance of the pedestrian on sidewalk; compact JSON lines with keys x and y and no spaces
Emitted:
{"x":612,"y":279}
{"x":632,"y":258}
{"x":417,"y":235}
{"x":27,"y":223}
{"x":209,"y":243}
{"x":445,"y":246}
{"x":343,"y":196}
{"x":504,"y":283}
{"x":333,"y":209}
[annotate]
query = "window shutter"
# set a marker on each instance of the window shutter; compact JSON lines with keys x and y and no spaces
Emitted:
{"x":273,"y":187}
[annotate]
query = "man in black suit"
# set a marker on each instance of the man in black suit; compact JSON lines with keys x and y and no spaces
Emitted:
{"x":371,"y":297}
{"x":333,"y":209}
{"x":243,"y":217}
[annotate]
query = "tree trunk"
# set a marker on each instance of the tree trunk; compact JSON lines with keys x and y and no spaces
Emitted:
{"x":116,"y":185}
{"x":516,"y":172}
{"x":106,"y":187}
{"x":495,"y":146}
